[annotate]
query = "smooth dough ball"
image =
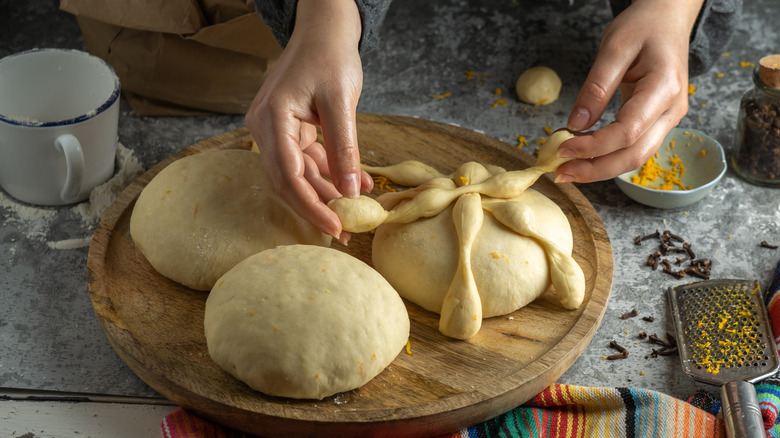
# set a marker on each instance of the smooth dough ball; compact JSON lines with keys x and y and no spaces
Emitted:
{"x":420,"y":259}
{"x":304,"y":321}
{"x":538,"y":86}
{"x":204,"y":213}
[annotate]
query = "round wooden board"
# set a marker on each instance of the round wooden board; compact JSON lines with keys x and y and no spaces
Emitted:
{"x":156,"y":325}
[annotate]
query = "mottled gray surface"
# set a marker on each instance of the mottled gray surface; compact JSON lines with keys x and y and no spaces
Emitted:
{"x":50,"y":339}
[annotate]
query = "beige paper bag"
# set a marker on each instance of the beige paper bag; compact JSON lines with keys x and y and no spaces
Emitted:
{"x":180,"y":57}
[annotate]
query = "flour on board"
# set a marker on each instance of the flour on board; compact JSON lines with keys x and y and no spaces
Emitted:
{"x":36,"y":222}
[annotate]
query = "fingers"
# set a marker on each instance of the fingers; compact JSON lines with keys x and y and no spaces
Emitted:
{"x":650,"y":102}
{"x":601,"y":83}
{"x":619,"y":161}
{"x":286,"y":168}
{"x":317,"y":152}
{"x":339,"y":135}
{"x":325,"y":190}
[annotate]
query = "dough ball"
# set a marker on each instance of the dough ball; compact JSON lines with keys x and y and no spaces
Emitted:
{"x":303,"y":321}
{"x":420,"y":259}
{"x":204,"y":213}
{"x":538,"y":86}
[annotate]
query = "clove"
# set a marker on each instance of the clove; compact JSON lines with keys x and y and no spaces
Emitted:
{"x":618,"y":347}
{"x":648,"y":318}
{"x":622,"y":352}
{"x":667,"y":266}
{"x":765,"y":244}
{"x":697,"y":273}
{"x":630,"y":314}
{"x":687,"y":248}
{"x":653,"y":259}
{"x":680,"y":260}
{"x":639,"y":239}
{"x":654,"y":339}
{"x":667,"y":236}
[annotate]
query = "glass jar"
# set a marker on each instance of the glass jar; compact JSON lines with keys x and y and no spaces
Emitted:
{"x":757,"y":155}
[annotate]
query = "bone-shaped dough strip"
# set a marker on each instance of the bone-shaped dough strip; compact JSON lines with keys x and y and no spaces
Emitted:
{"x":390,"y":199}
{"x":430,"y":202}
{"x":468,"y":173}
{"x":406,"y":173}
{"x":566,"y":275}
{"x":461,"y":311}
{"x":414,"y":173}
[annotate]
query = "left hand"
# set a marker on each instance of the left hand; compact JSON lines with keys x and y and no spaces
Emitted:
{"x":644,"y":52}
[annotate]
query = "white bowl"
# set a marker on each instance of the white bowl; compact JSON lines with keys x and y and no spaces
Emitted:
{"x":704,"y":161}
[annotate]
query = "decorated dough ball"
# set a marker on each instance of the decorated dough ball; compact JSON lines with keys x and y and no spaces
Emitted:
{"x":420,"y":259}
{"x":538,"y":86}
{"x":303,"y":321}
{"x":204,"y":213}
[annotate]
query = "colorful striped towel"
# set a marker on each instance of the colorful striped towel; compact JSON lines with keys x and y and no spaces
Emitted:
{"x":768,"y":391}
{"x":559,"y":411}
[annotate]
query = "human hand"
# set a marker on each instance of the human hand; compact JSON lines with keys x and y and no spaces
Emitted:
{"x":316,"y":82}
{"x":644,"y":52}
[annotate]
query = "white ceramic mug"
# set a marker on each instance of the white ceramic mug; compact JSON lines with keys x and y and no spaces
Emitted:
{"x":59,"y":114}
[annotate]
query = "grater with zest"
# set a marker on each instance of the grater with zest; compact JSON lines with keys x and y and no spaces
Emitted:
{"x":724,"y":339}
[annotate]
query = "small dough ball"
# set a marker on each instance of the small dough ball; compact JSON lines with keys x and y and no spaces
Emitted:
{"x":204,"y":213}
{"x":420,"y":259}
{"x":538,"y":86}
{"x":305,"y":322}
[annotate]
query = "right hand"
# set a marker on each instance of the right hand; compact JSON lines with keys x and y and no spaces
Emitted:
{"x":316,"y":82}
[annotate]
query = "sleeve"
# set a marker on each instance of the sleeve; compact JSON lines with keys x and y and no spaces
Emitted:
{"x":279,"y":15}
{"x":714,"y":27}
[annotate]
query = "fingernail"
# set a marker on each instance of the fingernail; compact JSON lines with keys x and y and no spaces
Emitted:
{"x":344,"y":238}
{"x":564,"y":178}
{"x":566,"y":153}
{"x":578,"y":120}
{"x":350,"y":185}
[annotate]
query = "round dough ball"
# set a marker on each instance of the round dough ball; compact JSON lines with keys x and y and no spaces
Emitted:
{"x":420,"y":259}
{"x":303,"y":321}
{"x":538,"y":86}
{"x":204,"y":213}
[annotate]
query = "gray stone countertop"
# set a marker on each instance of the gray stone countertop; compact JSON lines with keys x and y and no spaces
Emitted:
{"x":50,"y":339}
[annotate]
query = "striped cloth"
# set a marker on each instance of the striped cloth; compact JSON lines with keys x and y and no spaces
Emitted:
{"x":768,"y":390}
{"x":576,"y":411}
{"x":559,"y":411}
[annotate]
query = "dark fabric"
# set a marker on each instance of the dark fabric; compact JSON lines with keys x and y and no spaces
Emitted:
{"x":711,"y":33}
{"x":279,"y":15}
{"x":715,"y":26}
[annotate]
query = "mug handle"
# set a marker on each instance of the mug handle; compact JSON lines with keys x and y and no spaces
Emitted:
{"x":74,"y":161}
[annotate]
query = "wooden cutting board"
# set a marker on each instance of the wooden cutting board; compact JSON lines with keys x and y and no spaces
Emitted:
{"x":156,"y":325}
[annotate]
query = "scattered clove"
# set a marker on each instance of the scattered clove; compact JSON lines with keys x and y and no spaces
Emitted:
{"x":668,"y":269}
{"x":639,"y":239}
{"x":630,"y":314}
{"x":653,"y":259}
{"x":642,"y":335}
{"x":668,"y":346}
{"x":668,"y":246}
{"x":622,"y":352}
{"x":618,"y":356}
{"x":667,"y":236}
{"x":648,"y":318}
{"x":618,"y":347}
{"x":765,"y":244}
{"x":687,"y":248}
{"x":658,"y":341}
{"x":680,"y":260}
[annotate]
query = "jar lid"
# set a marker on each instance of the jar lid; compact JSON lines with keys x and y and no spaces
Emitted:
{"x":769,"y":70}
